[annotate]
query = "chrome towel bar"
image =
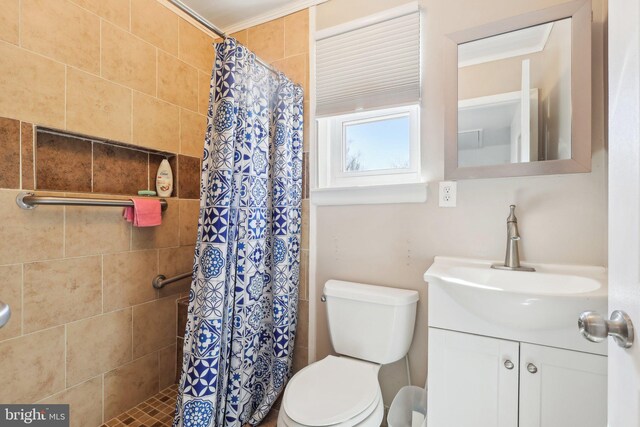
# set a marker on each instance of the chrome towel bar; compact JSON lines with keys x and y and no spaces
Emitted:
{"x":5,"y":314}
{"x":28,"y":200}
{"x":160,"y":281}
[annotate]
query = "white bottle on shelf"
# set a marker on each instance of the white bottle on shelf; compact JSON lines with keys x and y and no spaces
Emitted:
{"x":164,"y":179}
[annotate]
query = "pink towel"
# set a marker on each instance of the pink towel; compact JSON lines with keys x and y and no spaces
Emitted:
{"x":144,"y":213}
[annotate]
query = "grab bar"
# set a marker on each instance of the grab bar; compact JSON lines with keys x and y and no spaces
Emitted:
{"x":5,"y":314}
{"x":160,"y":281}
{"x":27,"y":200}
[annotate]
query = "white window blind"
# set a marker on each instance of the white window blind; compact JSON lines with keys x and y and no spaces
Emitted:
{"x":369,"y":67}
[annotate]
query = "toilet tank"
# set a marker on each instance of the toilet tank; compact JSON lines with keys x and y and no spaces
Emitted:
{"x":368,"y":322}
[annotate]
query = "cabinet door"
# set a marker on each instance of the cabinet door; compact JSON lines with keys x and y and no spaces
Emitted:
{"x":560,"y":388}
{"x":468,"y":382}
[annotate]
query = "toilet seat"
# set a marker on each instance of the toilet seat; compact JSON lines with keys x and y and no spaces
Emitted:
{"x":333,"y":391}
{"x":372,"y":417}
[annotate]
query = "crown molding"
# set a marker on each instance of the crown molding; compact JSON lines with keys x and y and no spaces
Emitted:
{"x":290,"y":8}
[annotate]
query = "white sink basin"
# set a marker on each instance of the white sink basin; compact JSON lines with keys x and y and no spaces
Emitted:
{"x":551,"y":298}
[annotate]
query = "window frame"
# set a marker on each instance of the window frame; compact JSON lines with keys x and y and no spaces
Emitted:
{"x":331,"y":135}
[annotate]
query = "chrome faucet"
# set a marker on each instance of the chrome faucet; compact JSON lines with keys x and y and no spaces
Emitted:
{"x":512,"y":258}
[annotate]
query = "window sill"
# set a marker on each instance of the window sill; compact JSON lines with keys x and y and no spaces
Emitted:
{"x":370,"y":195}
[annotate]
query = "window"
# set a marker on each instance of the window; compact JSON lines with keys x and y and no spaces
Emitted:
{"x":367,"y":101}
{"x":370,"y":148}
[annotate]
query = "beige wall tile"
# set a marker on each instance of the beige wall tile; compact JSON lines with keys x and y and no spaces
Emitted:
{"x":241,"y":36}
{"x":61,"y":291}
{"x":167,"y":366}
{"x":196,"y":47}
{"x":156,"y":124}
{"x":155,"y":23}
{"x":295,"y":67}
{"x":177,"y":81}
{"x":296,"y":33}
{"x":95,"y":230}
{"x":90,"y":353}
{"x":130,"y":384}
{"x":127,"y":278}
{"x":162,"y":236}
{"x":34,"y":94}
{"x":306,"y":125}
{"x":128,"y":60}
{"x":300,"y":359}
{"x":116,"y":11}
{"x":12,"y":295}
{"x":189,"y":215}
{"x":154,"y":325}
{"x":43,"y":226}
{"x":267,"y":40}
{"x":174,"y":261}
{"x":193,"y":127}
{"x":85,"y":403}
{"x":302,"y":331}
{"x":9,"y":21}
{"x":63,"y":31}
{"x":304,"y":275}
{"x":183,"y":313}
{"x":204,"y":86}
{"x":98,"y":107}
{"x":304,"y":238}
{"x":32,"y":366}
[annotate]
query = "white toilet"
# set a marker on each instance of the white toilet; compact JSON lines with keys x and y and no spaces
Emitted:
{"x":369,"y":326}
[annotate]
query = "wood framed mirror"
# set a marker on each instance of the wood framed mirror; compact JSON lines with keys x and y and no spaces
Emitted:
{"x":518,"y":102}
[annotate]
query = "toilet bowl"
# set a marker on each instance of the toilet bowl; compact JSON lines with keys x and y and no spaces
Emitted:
{"x":369,"y":326}
{"x":337,"y":392}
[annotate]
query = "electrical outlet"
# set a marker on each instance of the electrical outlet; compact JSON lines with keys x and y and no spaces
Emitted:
{"x":447,"y":195}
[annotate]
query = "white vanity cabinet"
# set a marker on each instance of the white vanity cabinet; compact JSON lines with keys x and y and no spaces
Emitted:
{"x":478,"y":381}
{"x":468,"y":382}
{"x":561,"y":388}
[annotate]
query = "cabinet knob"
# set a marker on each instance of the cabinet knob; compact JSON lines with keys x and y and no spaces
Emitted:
{"x":532,"y":368}
{"x":508,"y":364}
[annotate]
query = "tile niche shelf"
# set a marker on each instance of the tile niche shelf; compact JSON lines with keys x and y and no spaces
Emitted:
{"x":76,"y":163}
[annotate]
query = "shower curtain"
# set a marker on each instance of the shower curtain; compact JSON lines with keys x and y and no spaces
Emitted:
{"x":244,"y":293}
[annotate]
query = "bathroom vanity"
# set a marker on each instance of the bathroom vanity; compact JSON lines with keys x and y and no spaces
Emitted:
{"x":504,"y":347}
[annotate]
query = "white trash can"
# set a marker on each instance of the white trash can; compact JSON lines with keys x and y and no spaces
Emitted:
{"x":409,"y":408}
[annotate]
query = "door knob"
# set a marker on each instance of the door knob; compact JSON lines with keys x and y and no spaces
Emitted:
{"x":5,"y":314}
{"x":595,"y":328}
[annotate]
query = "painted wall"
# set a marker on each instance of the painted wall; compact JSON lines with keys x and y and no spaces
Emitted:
{"x":563,"y":219}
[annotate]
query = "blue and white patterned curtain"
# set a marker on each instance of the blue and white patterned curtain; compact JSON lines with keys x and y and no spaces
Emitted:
{"x":244,"y":293}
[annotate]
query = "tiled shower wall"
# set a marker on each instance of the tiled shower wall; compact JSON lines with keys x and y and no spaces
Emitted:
{"x":87,"y":327}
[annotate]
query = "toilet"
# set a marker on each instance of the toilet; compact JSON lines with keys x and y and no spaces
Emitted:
{"x":369,"y":326}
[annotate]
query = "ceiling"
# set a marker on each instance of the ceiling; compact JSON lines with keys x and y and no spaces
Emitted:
{"x":234,"y":15}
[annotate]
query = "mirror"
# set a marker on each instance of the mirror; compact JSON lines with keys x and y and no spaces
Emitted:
{"x":520,"y":97}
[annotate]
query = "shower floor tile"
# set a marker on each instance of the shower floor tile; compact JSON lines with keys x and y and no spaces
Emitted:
{"x":157,"y":411}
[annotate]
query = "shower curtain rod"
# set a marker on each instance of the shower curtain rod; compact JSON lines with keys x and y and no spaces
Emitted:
{"x":195,"y":15}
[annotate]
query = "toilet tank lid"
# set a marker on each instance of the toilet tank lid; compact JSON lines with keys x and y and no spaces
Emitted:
{"x":369,"y":293}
